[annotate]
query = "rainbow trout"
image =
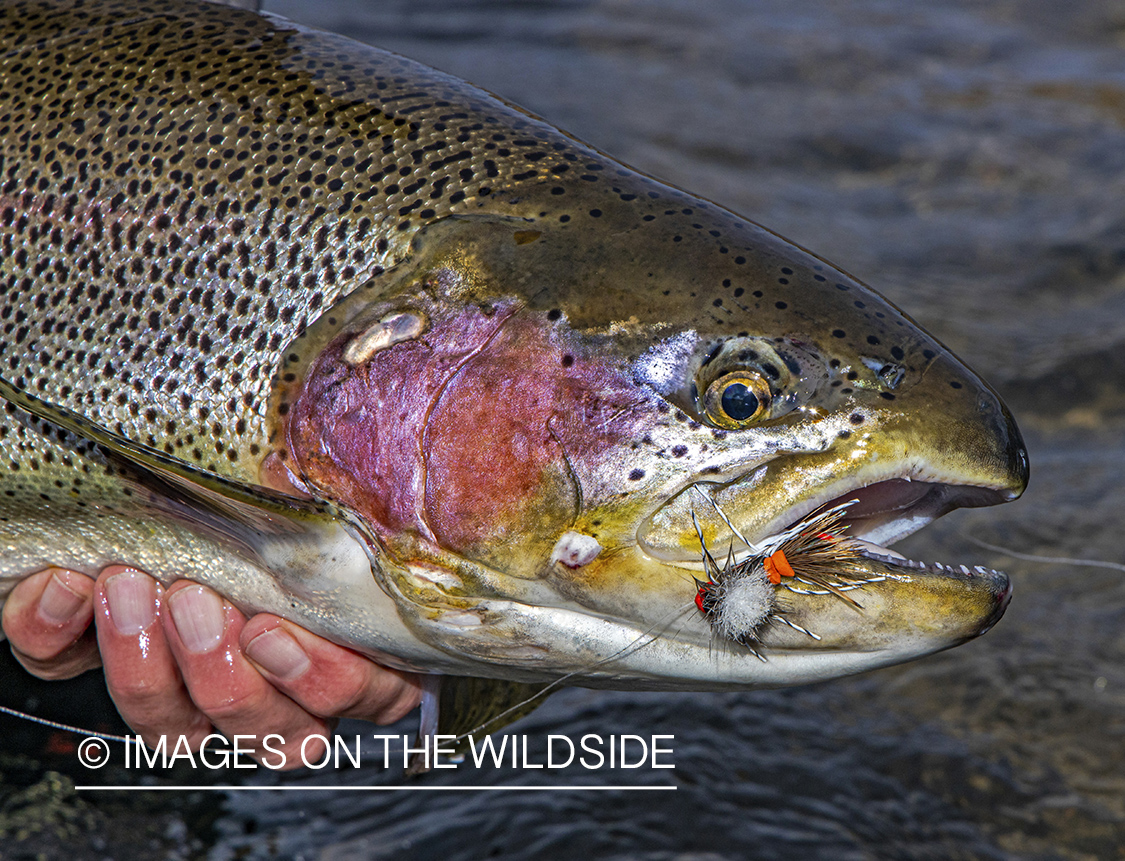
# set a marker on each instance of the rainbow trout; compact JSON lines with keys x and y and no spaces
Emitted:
{"x":354,"y":342}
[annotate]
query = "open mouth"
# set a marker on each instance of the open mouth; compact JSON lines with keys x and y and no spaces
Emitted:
{"x":821,"y":567}
{"x":877,"y":515}
{"x":887,"y":511}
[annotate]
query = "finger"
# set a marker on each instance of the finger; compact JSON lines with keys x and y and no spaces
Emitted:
{"x":324,"y":678}
{"x":46,"y":617}
{"x":203,"y":632}
{"x":140,"y":668}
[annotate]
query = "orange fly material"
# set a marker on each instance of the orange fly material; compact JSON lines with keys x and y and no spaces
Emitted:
{"x":777,"y":566}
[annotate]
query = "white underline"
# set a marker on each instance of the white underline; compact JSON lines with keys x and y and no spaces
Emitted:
{"x":454,"y":788}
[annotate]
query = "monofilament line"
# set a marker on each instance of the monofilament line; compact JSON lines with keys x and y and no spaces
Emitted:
{"x":1059,"y":560}
{"x":396,"y":788}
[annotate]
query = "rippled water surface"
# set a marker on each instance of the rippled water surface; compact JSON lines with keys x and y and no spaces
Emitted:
{"x":968,"y":160}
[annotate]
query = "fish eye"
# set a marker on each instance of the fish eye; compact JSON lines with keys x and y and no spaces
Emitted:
{"x":735,"y":400}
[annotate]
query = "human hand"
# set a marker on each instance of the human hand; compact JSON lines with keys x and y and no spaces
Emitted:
{"x":184,"y":661}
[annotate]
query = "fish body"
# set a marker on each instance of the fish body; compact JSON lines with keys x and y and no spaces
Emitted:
{"x":352,"y":341}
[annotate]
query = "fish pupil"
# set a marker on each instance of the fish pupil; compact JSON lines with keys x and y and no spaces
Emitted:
{"x":739,"y":402}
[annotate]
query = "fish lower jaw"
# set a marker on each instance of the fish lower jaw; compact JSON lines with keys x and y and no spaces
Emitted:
{"x":815,"y":581}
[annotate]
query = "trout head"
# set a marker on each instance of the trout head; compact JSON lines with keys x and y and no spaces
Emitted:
{"x":560,"y":438}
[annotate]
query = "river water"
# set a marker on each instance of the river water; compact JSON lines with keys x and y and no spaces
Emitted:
{"x":967,"y":159}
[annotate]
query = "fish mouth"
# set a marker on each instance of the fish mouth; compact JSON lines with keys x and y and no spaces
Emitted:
{"x":887,"y":511}
{"x":867,"y":598}
{"x":879,"y":513}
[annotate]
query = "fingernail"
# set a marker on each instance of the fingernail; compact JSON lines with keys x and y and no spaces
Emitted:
{"x":277,"y":652}
{"x":199,"y":617}
{"x":131,"y":597}
{"x":59,"y":602}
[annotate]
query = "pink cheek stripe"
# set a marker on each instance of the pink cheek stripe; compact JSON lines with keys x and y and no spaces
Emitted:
{"x":464,"y":433}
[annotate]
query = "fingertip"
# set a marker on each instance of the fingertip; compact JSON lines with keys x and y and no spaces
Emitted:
{"x":65,"y":596}
{"x":277,"y":653}
{"x":45,"y":619}
{"x":131,"y":599}
{"x":199,"y":616}
{"x":140,"y":670}
{"x":324,"y":678}
{"x":403,"y":698}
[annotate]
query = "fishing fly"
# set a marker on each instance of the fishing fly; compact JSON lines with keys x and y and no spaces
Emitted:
{"x":740,"y":597}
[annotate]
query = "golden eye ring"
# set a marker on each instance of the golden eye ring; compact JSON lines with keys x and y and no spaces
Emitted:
{"x":737,"y":400}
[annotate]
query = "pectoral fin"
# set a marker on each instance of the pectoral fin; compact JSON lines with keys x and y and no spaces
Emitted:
{"x":254,"y":519}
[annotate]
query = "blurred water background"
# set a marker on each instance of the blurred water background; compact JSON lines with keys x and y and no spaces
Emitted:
{"x":965,"y":158}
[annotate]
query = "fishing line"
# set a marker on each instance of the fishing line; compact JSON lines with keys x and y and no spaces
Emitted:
{"x":1030,"y":557}
{"x":63,"y":726}
{"x":651,"y":634}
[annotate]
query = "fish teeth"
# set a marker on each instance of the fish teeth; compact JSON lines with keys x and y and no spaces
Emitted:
{"x":953,"y":569}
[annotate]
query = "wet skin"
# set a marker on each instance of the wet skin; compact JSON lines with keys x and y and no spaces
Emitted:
{"x":183,"y":661}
